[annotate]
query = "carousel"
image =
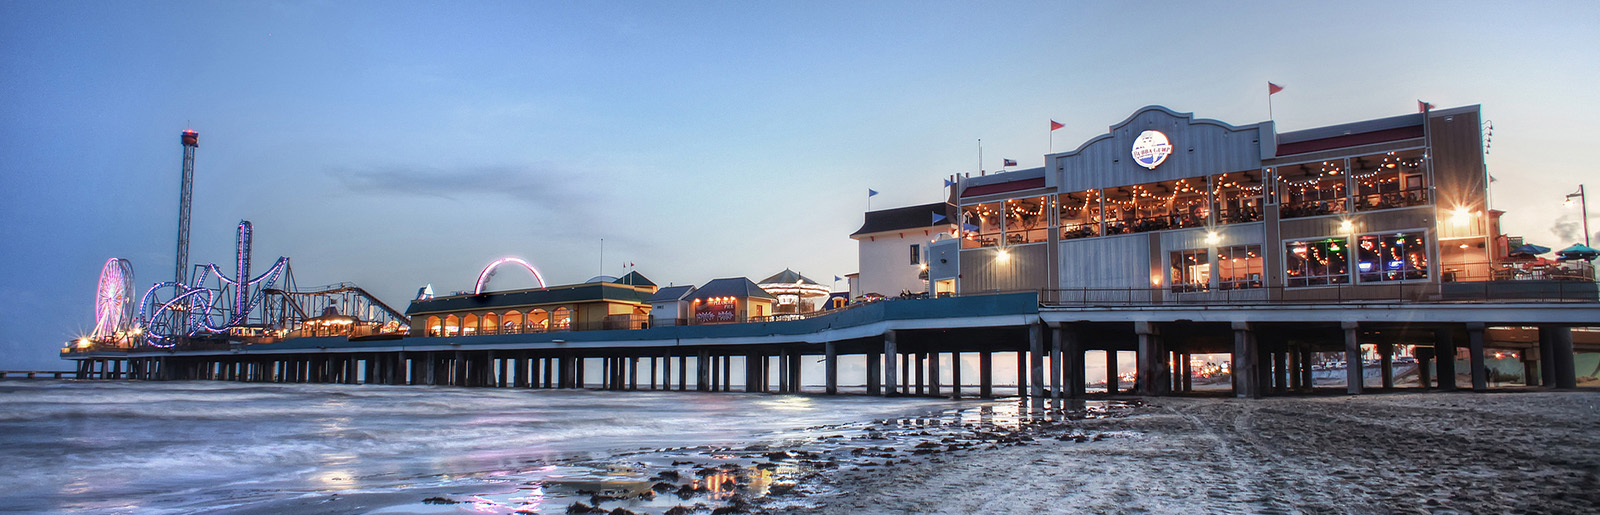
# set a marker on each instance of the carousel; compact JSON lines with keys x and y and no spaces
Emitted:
{"x":796,"y":293}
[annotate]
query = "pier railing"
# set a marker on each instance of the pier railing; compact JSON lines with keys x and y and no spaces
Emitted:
{"x":1553,"y":291}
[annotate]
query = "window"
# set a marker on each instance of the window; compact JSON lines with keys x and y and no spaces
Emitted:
{"x":916,"y":254}
{"x":1027,"y":220}
{"x":1388,"y":181}
{"x":1080,"y":214}
{"x":980,"y":225}
{"x":1191,"y":271}
{"x":1392,"y":257}
{"x":1239,"y":267}
{"x":1312,"y":189}
{"x":1316,"y":263}
{"x":1238,"y":197}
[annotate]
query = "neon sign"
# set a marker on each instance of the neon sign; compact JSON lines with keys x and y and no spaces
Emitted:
{"x":1151,"y":149}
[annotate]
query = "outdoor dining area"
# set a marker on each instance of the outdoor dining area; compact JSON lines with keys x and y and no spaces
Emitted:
{"x":1525,"y":263}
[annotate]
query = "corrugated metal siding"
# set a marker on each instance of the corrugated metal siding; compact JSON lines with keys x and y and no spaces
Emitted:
{"x":1024,"y":269}
{"x":1116,"y":262}
{"x":1199,"y":148}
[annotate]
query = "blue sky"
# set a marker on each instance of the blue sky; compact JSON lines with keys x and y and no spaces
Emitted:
{"x":399,"y":144}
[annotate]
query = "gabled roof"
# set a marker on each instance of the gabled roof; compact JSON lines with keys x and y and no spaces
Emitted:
{"x":788,"y":276}
{"x":670,"y":294}
{"x":634,"y":278}
{"x":730,"y":287}
{"x":911,"y":217}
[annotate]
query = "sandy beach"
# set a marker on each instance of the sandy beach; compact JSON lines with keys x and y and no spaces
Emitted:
{"x":1534,"y":452}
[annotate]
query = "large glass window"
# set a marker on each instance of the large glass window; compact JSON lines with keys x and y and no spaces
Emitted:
{"x":1312,"y":189}
{"x":1238,"y":197}
{"x":980,"y":224}
{"x":1392,"y":257}
{"x":1316,"y":263}
{"x":1027,"y":220}
{"x":1391,"y":180}
{"x":1191,"y":271}
{"x":1080,"y":214}
{"x":1157,"y":206}
{"x":1239,"y":267}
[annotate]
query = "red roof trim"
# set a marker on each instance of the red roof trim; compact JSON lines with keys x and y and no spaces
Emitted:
{"x":1350,"y":140}
{"x":1004,"y":187}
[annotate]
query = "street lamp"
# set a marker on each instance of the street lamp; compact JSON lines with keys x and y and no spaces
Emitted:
{"x":1584,"y":202}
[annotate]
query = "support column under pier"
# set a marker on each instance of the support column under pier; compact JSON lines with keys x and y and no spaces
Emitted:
{"x":889,"y":358}
{"x":1562,"y":357}
{"x":1444,"y":347}
{"x":1036,"y":361}
{"x":1245,"y":378}
{"x":1355,"y":381}
{"x":830,"y":368}
{"x":985,"y":374}
{"x":1475,"y":347}
{"x":874,"y":372}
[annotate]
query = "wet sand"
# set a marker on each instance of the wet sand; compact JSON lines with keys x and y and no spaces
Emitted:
{"x":1525,"y":452}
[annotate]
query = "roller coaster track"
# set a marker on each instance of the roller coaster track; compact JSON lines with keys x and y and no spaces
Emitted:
{"x":290,"y":298}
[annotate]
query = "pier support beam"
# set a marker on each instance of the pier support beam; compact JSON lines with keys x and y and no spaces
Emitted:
{"x":1151,"y":361}
{"x":1475,"y":345}
{"x":1355,"y":381}
{"x":1386,"y":364}
{"x":1022,"y":372}
{"x":1561,"y":350}
{"x":1036,"y":361}
{"x":985,"y":374}
{"x":874,"y":372}
{"x":1444,"y":347}
{"x":933,"y":375}
{"x":955,"y":375}
{"x":702,"y":372}
{"x":1057,"y":388}
{"x":1424,"y":357}
{"x":1111,"y":372}
{"x":889,"y":357}
{"x":830,"y":368}
{"x":1547,"y":365}
{"x":1245,"y":382}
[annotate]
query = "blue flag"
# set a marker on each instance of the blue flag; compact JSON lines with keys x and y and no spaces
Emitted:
{"x":837,"y":278}
{"x":949,"y":183}
{"x":871,"y":192}
{"x":938,"y":218}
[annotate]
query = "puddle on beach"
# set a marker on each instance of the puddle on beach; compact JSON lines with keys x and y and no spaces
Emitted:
{"x":779,"y":475}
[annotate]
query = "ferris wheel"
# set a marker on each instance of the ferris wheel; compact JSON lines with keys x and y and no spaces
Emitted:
{"x":113,"y":306}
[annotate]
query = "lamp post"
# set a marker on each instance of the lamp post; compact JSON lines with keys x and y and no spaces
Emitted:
{"x":1584,"y":202}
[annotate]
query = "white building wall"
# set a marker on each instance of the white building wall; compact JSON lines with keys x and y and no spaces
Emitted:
{"x":885,"y":265}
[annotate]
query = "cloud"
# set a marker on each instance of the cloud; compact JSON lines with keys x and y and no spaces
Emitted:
{"x":541,"y":187}
{"x":1568,"y":228}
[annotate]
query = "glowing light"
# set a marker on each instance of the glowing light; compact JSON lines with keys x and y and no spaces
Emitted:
{"x":1002,"y":256}
{"x":1346,"y":226}
{"x":488,"y":271}
{"x":1461,"y":216}
{"x":1212,"y":237}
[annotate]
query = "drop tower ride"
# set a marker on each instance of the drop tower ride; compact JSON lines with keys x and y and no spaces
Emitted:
{"x":191,"y":141}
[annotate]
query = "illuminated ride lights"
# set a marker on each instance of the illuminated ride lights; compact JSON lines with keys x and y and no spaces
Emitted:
{"x":113,"y":305}
{"x":489,"y":271}
{"x":189,"y":310}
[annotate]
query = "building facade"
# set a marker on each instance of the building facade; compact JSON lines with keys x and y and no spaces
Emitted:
{"x":893,"y":248}
{"x":1169,"y":207}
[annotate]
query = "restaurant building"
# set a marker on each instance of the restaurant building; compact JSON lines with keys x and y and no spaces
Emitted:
{"x":1168,"y":207}
{"x":604,"y":303}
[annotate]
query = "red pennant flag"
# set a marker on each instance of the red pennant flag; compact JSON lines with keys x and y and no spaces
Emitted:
{"x":1423,"y":107}
{"x":1055,"y":125}
{"x":1273,"y":88}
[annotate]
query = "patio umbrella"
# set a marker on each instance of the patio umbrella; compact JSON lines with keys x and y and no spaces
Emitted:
{"x":1530,"y":250}
{"x":1578,"y":251}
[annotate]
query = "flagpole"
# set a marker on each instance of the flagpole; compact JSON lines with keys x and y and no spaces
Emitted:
{"x":980,"y":157}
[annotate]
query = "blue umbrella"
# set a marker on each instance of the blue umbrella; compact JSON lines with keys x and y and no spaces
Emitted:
{"x":1578,"y":251}
{"x":1530,"y":249}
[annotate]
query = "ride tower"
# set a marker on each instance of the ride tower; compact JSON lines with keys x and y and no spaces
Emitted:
{"x":191,"y":141}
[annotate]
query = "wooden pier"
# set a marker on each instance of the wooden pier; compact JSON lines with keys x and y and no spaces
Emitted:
{"x":903,"y":344}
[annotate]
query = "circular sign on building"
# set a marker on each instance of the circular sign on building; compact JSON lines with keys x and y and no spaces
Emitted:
{"x":1151,"y":149}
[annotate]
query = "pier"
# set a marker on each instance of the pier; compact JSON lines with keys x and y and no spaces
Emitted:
{"x":903,"y":343}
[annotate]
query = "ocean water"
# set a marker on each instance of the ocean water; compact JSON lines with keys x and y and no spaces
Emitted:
{"x":200,"y":446}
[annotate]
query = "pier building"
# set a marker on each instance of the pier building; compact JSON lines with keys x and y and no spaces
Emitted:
{"x":1169,"y":236}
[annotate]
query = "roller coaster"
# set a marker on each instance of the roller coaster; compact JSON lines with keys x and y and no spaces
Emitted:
{"x":213,"y":308}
